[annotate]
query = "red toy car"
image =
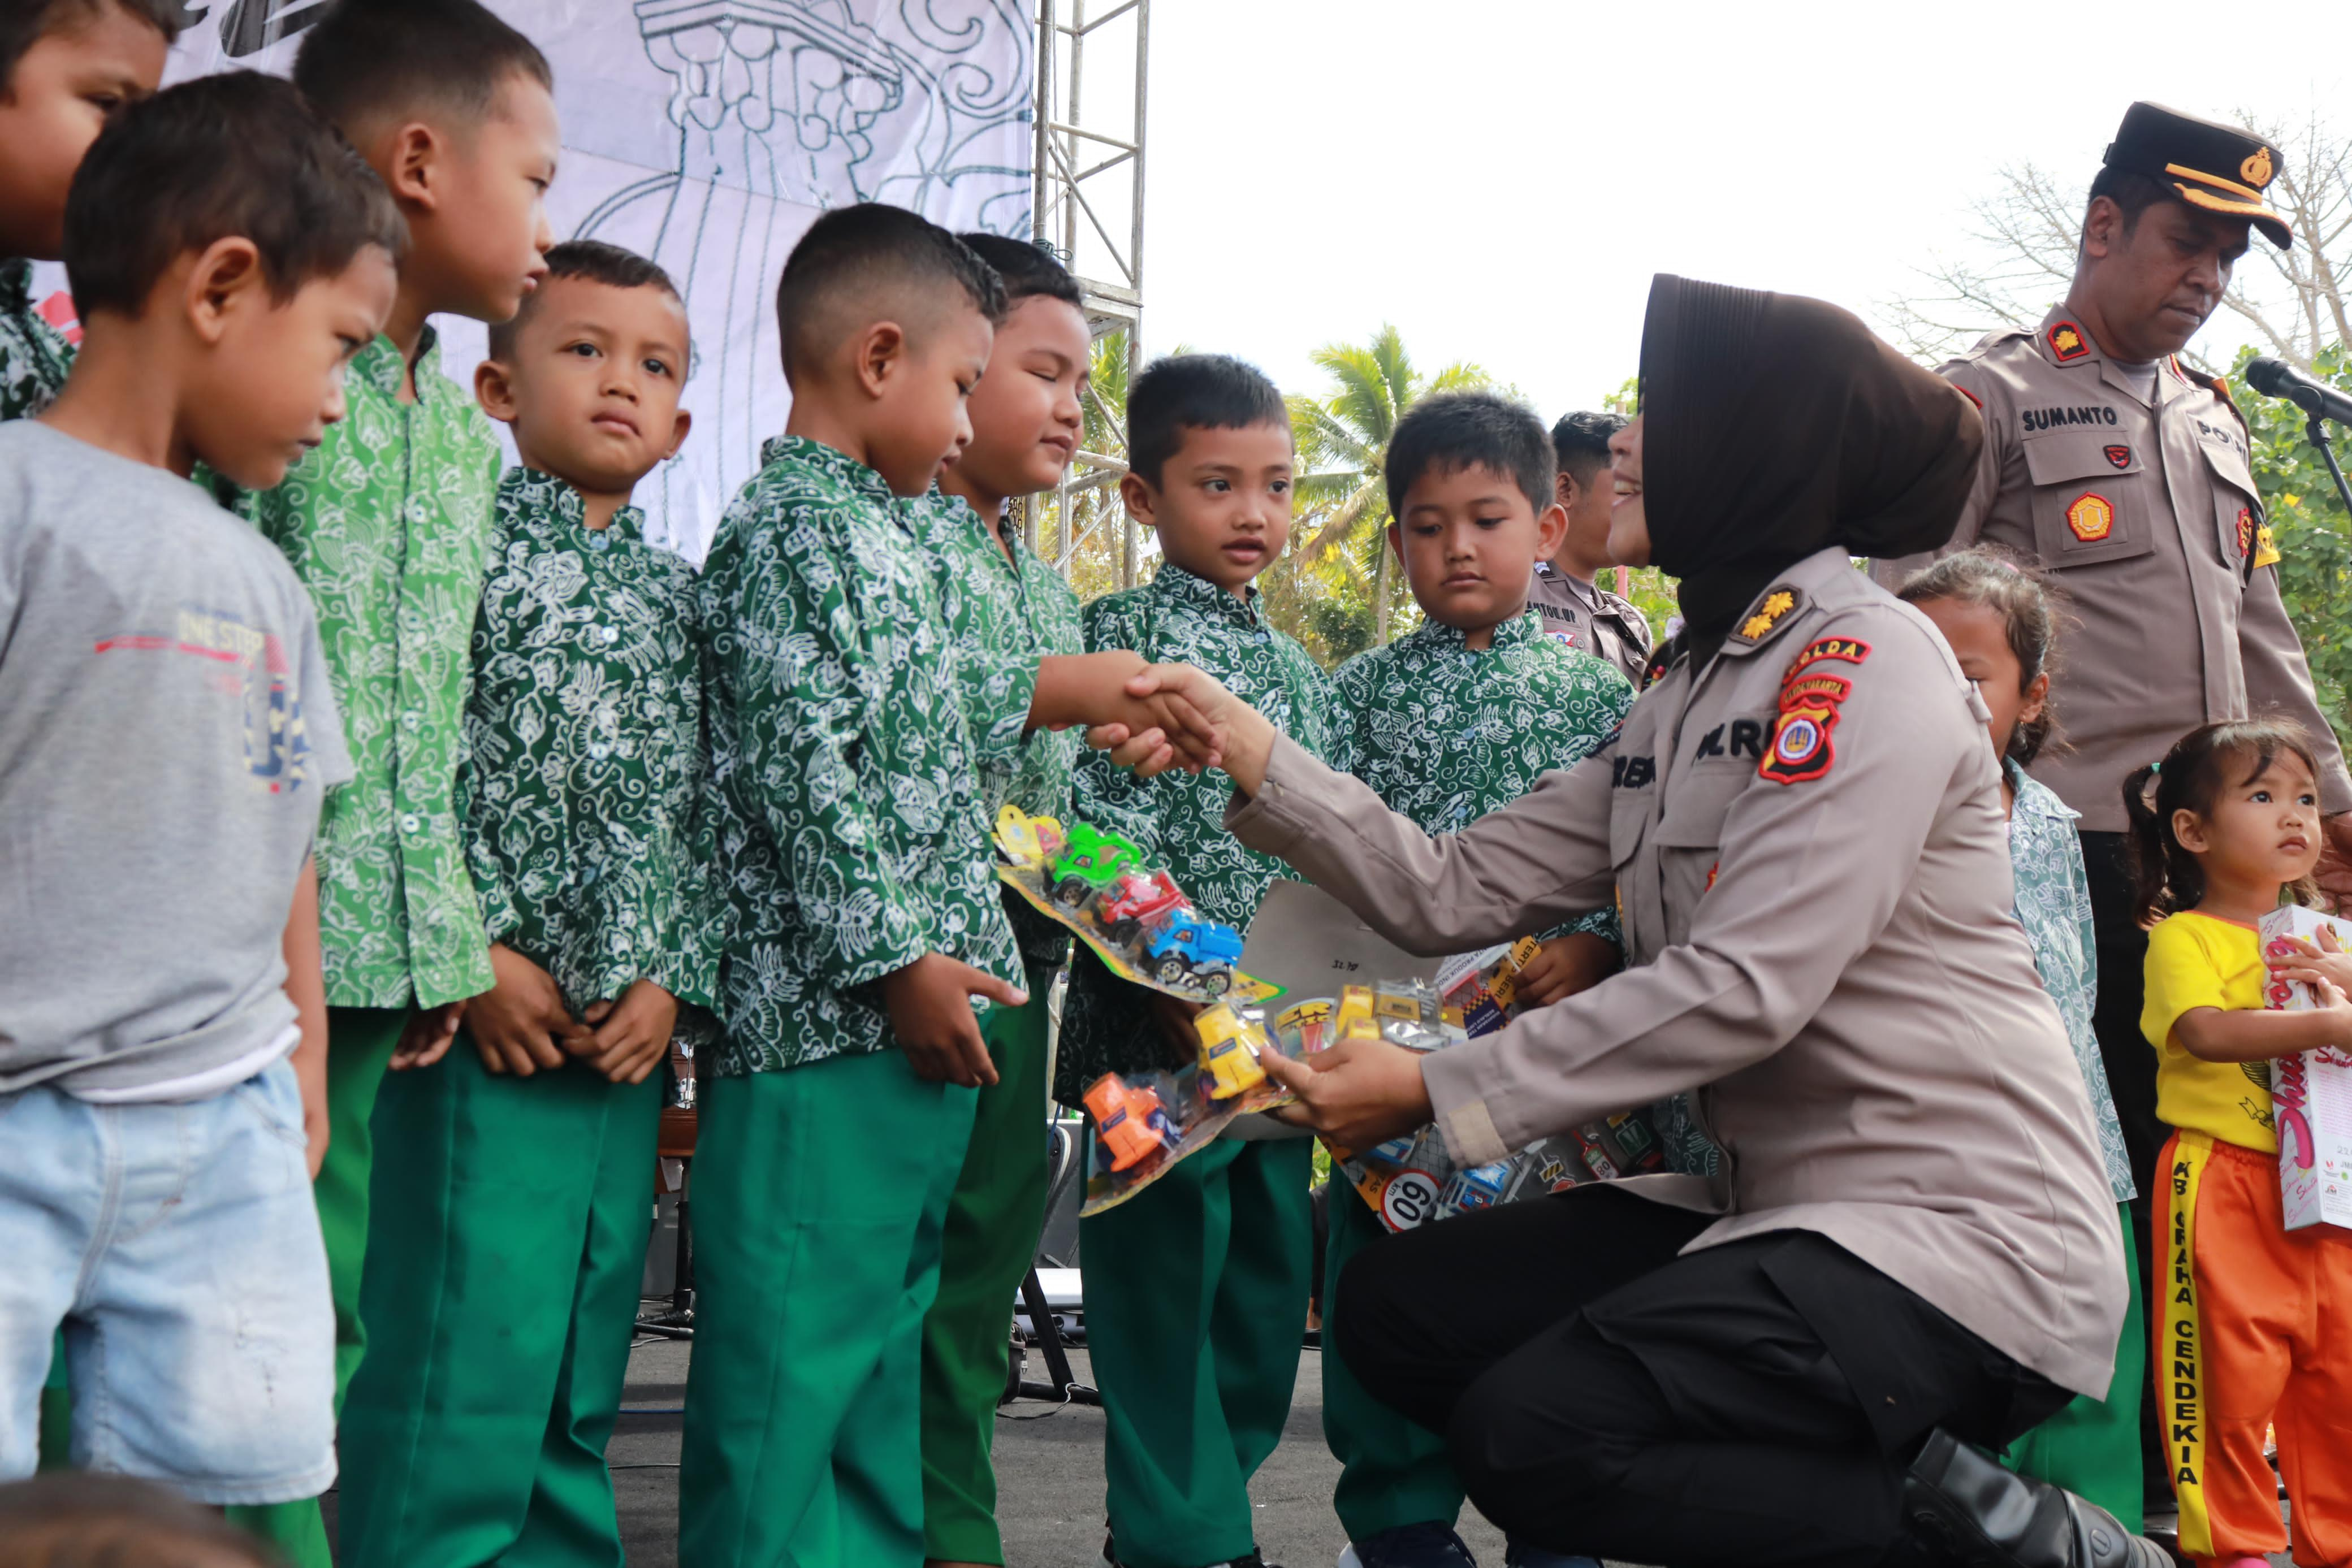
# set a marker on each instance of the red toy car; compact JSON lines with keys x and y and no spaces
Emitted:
{"x":1133,"y":899}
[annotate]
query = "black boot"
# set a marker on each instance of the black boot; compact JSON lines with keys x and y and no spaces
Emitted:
{"x":1961,"y":1509}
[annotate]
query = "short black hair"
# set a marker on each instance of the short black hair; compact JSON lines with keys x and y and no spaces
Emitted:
{"x":366,"y":59}
{"x":2132,"y":191}
{"x":239,"y":153}
{"x":860,"y":264}
{"x":1579,"y":443}
{"x":598,"y":263}
{"x":1455,"y":431}
{"x":1194,"y":392}
{"x":1028,"y":270}
{"x":24,"y":23}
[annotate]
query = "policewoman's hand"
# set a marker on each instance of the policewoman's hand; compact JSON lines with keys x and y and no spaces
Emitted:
{"x":1357,"y":1093}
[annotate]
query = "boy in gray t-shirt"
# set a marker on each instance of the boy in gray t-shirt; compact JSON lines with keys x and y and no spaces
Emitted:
{"x":166,"y":732}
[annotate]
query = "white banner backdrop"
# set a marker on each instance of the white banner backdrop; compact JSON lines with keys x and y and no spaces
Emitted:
{"x":708,"y":134}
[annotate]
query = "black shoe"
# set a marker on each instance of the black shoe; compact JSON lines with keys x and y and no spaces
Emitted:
{"x":1429,"y":1544}
{"x":1110,"y":1557}
{"x":1961,"y":1509}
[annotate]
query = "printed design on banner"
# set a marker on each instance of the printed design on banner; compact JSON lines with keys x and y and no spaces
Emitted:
{"x":2119,"y":455}
{"x":2246,"y":531}
{"x":2180,"y":1370}
{"x":2092,"y":517}
{"x":2266,"y":551}
{"x":2067,"y":341}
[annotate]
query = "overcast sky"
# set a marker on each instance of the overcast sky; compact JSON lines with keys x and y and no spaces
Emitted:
{"x":1500,"y":178}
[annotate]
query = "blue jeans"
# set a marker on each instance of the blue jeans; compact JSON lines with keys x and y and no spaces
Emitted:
{"x":178,"y":1248}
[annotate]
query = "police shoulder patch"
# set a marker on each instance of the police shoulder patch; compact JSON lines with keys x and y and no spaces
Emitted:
{"x":1776,"y":605}
{"x":1850,"y":650}
{"x":1800,"y":748}
{"x":2266,"y":551}
{"x":2067,"y":342}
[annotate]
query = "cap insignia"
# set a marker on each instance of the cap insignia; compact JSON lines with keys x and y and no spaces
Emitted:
{"x":2067,"y":341}
{"x":2257,"y":169}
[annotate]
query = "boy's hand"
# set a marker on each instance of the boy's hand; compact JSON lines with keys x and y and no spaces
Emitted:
{"x":520,"y":1024}
{"x":2311,"y":965}
{"x":930,"y":1003}
{"x":1565,"y":965}
{"x":1092,"y":689}
{"x":310,"y":1073}
{"x":1248,"y":736}
{"x":632,"y":1034}
{"x":425,"y":1039}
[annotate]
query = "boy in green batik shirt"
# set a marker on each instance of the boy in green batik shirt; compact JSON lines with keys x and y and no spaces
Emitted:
{"x":386,"y":524}
{"x":510,"y":1263}
{"x":853,"y":848}
{"x":1196,"y":1288}
{"x":1453,"y":721}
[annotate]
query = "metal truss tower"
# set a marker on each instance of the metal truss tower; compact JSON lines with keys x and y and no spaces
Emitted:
{"x":1093,"y":76}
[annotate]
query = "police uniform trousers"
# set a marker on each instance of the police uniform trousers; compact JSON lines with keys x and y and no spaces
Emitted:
{"x":1752,"y":1404}
{"x":987,"y":1243}
{"x":1393,"y":1470}
{"x":2092,"y":1448}
{"x":2253,"y":1330}
{"x":1196,"y":1293}
{"x":819,"y":1196}
{"x":360,"y":1043}
{"x":503,"y":1276}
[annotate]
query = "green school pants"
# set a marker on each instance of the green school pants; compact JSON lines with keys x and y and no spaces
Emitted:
{"x":985,"y":1248}
{"x":503,"y":1273}
{"x":359,"y":1042}
{"x":819,"y":1194}
{"x":1196,"y":1293}
{"x":2092,"y":1448}
{"x":1394,"y":1471}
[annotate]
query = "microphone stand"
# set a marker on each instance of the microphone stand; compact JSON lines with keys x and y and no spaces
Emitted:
{"x":2315,"y":430}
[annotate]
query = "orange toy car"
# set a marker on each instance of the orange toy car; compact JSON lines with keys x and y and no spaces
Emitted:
{"x":1130,"y":1121}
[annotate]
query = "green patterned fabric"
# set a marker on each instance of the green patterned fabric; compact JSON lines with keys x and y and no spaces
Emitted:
{"x":33,"y":355}
{"x":580,"y":797}
{"x":1446,"y":735}
{"x":1005,"y":615}
{"x":386,"y":524}
{"x":850,"y":835}
{"x":1179,"y":818}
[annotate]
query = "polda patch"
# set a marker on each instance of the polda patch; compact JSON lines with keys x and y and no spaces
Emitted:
{"x":1800,"y":748}
{"x":1849,"y":650}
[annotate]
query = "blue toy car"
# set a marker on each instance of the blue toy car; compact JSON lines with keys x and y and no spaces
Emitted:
{"x":1481,"y":1186}
{"x":1179,"y":945}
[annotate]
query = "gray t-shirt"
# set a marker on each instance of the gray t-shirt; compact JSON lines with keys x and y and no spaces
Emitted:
{"x":166,"y":732}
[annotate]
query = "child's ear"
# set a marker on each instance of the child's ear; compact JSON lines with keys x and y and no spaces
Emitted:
{"x":1395,"y":531}
{"x":679,"y":424}
{"x":2189,"y":828}
{"x":494,"y":389}
{"x":412,"y":165}
{"x":1142,"y":501}
{"x":1551,"y":527}
{"x":225,"y":274}
{"x":880,"y":350}
{"x":2037,"y":697}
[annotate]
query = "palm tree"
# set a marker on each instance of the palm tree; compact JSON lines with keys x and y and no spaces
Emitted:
{"x":1342,"y":439}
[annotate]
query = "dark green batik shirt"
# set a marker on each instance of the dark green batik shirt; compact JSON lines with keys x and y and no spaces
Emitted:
{"x":387,"y":524}
{"x":1006,"y":614}
{"x":33,"y":355}
{"x":1445,"y":734}
{"x":581,"y":798}
{"x":851,"y":838}
{"x":1179,"y":818}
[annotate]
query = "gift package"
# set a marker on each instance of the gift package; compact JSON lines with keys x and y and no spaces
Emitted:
{"x":2311,"y":1093}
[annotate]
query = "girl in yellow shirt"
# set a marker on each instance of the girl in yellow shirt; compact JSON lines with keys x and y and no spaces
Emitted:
{"x":2255,"y":1325}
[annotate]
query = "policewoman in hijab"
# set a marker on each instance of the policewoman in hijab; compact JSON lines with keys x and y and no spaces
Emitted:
{"x":1910,"y":1248}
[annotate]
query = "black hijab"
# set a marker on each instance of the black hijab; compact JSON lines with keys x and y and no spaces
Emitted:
{"x":1775,"y":426}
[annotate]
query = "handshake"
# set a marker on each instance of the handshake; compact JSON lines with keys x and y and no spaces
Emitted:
{"x":1151,"y":717}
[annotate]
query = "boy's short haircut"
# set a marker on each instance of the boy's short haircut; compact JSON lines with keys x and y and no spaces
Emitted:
{"x":236,"y":155}
{"x":1455,"y":431}
{"x":1028,"y":270}
{"x":873,"y":262}
{"x":76,"y":1518}
{"x":597,"y":262}
{"x":24,"y":23}
{"x":365,"y":59}
{"x":1579,"y":443}
{"x":1194,"y":392}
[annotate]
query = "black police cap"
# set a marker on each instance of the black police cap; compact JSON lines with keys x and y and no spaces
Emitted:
{"x":2216,"y":167}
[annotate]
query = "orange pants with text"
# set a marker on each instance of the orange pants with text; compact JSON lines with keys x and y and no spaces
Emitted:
{"x":2253,"y":1326}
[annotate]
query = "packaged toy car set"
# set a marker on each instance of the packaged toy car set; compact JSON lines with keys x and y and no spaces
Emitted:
{"x":2311,"y":1093}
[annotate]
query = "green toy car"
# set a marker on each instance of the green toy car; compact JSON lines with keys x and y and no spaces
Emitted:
{"x":1089,"y":863}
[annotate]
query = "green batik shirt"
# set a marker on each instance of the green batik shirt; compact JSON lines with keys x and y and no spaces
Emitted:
{"x":1445,"y":735}
{"x":851,"y":837}
{"x":33,"y":355}
{"x":1005,"y":614}
{"x":580,"y":795}
{"x":1177,"y":818}
{"x":387,"y":524}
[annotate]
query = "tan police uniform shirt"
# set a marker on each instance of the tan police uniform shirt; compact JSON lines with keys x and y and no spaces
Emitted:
{"x":2148,"y":518}
{"x":1806,"y":844}
{"x":1592,"y":620}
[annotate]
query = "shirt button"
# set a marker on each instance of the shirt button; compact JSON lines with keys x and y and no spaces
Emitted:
{"x":410,"y":822}
{"x":599,"y":542}
{"x":409,"y":720}
{"x":608,"y":636}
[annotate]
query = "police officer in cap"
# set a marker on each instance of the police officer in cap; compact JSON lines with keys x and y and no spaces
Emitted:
{"x":2127,"y":475}
{"x":1567,"y":591}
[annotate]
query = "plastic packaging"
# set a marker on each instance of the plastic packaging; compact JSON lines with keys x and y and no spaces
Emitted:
{"x":2311,"y":1093}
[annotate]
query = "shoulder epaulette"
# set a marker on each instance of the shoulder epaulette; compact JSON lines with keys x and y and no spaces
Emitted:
{"x":2219,"y":387}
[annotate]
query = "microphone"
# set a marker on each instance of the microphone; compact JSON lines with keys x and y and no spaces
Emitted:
{"x":2276,"y":378}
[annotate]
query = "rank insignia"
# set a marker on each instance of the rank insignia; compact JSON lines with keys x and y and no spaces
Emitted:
{"x":1563,"y":636}
{"x":2266,"y":551}
{"x":1800,"y":748}
{"x":2092,"y":517}
{"x":2119,"y":455}
{"x":2246,"y":531}
{"x":1768,"y":614}
{"x":1711,"y":872}
{"x":2257,"y":169}
{"x":2067,"y":341}
{"x":1851,"y":649}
